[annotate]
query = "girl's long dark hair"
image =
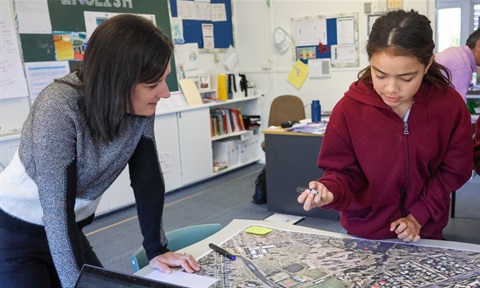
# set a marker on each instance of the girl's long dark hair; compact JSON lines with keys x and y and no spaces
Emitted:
{"x":123,"y":51}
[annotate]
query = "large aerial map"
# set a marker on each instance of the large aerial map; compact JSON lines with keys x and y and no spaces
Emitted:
{"x":281,"y":258}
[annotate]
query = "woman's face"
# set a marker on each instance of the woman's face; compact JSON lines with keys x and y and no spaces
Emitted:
{"x":145,"y":96}
{"x":397,"y":78}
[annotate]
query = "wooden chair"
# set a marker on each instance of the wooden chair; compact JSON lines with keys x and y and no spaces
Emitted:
{"x":177,"y":239}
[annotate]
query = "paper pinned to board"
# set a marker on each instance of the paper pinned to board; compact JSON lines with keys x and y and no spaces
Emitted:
{"x":190,"y":91}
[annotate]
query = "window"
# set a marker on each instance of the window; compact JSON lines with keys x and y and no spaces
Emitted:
{"x":449,"y":22}
{"x":455,"y":21}
{"x":476,"y":16}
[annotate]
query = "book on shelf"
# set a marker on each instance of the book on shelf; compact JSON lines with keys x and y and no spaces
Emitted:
{"x":225,"y":121}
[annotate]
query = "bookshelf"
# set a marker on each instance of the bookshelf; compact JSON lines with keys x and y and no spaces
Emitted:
{"x":235,"y":147}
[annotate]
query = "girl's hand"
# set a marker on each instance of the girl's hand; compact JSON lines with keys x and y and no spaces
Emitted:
{"x":316,"y":196}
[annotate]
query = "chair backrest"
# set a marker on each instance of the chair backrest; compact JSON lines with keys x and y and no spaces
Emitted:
{"x":177,"y":239}
{"x":286,"y":108}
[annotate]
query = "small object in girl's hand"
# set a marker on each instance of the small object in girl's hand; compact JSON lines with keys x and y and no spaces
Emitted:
{"x":301,"y":189}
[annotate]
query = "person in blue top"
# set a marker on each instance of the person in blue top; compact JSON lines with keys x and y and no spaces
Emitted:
{"x":80,"y":134}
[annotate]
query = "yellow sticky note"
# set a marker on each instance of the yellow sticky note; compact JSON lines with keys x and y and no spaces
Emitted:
{"x":298,"y":74}
{"x":258,"y":230}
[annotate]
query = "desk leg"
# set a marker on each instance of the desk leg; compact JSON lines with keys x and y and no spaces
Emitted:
{"x":452,"y":208}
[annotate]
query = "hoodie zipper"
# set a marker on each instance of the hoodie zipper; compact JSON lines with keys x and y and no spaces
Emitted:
{"x":403,"y":192}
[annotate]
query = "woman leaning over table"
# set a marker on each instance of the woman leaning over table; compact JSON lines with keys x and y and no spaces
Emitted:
{"x":399,"y":141}
{"x":81,"y":133}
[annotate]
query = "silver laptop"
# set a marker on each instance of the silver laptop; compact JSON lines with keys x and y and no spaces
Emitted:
{"x":93,"y":277}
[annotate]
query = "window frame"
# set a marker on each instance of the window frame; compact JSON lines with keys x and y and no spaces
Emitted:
{"x":467,"y":16}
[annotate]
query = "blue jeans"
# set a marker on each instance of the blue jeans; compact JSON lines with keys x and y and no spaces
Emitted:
{"x":25,"y":260}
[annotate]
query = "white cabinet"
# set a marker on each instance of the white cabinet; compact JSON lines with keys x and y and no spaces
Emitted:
{"x":8,"y":146}
{"x":118,"y":195}
{"x":183,"y":145}
{"x":168,"y":149}
{"x":195,"y":147}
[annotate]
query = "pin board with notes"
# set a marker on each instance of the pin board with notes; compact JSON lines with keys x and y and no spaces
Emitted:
{"x":207,"y":23}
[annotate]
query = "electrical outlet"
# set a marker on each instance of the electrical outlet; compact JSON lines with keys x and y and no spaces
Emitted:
{"x":382,"y":5}
{"x":367,"y":7}
{"x":267,"y":65}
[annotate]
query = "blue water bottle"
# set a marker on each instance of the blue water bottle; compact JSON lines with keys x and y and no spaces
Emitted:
{"x":316,"y":111}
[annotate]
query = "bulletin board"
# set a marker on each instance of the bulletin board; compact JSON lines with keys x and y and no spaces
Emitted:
{"x":327,"y":37}
{"x":68,"y":16}
{"x":192,"y":28}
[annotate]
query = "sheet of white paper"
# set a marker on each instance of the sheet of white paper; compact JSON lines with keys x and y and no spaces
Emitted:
{"x":284,"y":218}
{"x":345,"y":31}
{"x":186,"y":10}
{"x":343,"y":54}
{"x":33,"y":17}
{"x":176,"y":100}
{"x":318,"y":68}
{"x":12,"y":80}
{"x":310,"y":32}
{"x":40,"y":74}
{"x":219,"y":13}
{"x":187,"y":55}
{"x":93,"y":19}
{"x":208,"y":40}
{"x":177,"y":30}
{"x":202,"y":11}
{"x":182,"y":278}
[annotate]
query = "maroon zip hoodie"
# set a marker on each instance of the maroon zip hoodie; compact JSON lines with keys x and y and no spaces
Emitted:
{"x":381,"y":169}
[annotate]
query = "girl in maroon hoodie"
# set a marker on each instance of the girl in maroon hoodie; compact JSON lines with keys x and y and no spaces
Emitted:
{"x":398,"y":142}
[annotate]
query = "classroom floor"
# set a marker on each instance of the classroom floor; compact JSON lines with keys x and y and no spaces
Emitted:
{"x":116,"y":236}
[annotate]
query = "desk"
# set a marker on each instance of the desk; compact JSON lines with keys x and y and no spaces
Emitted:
{"x":291,"y":161}
{"x":296,"y":256}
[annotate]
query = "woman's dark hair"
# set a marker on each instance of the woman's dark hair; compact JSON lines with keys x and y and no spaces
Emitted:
{"x":402,"y":33}
{"x":123,"y":51}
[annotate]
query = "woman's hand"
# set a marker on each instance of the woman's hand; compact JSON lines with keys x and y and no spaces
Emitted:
{"x":407,"y":229}
{"x":165,"y":261}
{"x":312,"y":199}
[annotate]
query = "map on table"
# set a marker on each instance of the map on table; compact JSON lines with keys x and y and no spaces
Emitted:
{"x":284,"y":258}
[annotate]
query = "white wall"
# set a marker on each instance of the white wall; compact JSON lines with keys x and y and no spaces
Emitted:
{"x":253,"y":23}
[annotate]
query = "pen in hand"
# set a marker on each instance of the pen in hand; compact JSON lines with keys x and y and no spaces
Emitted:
{"x":301,"y":189}
{"x":222,"y":252}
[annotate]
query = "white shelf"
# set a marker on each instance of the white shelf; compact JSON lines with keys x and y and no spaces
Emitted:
{"x":230,"y":101}
{"x":228,"y":135}
{"x":228,"y":169}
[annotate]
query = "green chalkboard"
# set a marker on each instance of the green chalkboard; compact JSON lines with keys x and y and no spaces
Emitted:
{"x":68,"y":15}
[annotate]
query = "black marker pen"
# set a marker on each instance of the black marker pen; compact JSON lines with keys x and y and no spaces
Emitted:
{"x":221,"y":251}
